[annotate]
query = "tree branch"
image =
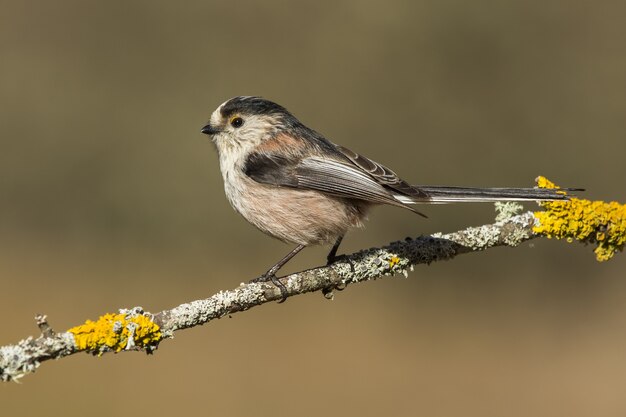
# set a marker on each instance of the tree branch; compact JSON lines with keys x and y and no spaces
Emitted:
{"x":591,"y":222}
{"x":136,"y":329}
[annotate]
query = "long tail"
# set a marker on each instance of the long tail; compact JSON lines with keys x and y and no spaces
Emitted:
{"x":442,"y":194}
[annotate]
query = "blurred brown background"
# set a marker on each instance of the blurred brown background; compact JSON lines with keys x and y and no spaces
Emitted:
{"x":110,"y":197}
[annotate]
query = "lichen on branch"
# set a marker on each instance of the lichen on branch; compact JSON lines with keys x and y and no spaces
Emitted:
{"x":129,"y":329}
{"x":594,"y":222}
{"x":590,"y":222}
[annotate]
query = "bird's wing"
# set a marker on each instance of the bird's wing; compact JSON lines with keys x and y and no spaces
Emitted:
{"x":383,"y":175}
{"x":330,"y":176}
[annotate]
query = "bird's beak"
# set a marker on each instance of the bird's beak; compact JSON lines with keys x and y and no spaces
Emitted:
{"x":209,"y":130}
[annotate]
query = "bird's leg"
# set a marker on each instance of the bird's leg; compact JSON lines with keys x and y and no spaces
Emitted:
{"x":332,"y":258}
{"x":332,"y":255}
{"x":270,"y":275}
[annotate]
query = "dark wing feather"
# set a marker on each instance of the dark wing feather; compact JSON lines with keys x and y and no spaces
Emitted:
{"x":383,"y":175}
{"x":329,"y":176}
{"x":342,"y":180}
{"x":271,"y":169}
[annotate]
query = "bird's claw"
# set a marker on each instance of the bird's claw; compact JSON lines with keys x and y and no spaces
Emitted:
{"x":337,"y":258}
{"x":272,"y":277}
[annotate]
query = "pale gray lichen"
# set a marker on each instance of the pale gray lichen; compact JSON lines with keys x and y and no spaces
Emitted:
{"x":510,"y":232}
{"x":507,"y":209}
{"x":26,"y":356}
{"x":219,"y":305}
{"x":397,"y":257}
{"x":15,"y":361}
{"x":130,"y":343}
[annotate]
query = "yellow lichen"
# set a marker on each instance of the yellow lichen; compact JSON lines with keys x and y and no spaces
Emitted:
{"x":394,"y":261}
{"x":115,"y":331}
{"x":595,"y":222}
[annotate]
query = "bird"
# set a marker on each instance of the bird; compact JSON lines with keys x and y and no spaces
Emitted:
{"x":297,"y":186}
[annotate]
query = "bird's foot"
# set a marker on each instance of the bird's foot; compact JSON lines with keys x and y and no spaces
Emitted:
{"x":338,"y":258}
{"x":331,"y":260}
{"x":268,"y":276}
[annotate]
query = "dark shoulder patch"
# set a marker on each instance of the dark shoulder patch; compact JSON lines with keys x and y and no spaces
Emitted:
{"x":274,"y":170}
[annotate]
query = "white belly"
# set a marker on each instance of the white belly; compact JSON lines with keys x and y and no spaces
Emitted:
{"x":297,"y":216}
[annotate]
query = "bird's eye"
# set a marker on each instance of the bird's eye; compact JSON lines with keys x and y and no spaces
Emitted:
{"x":236,"y":122}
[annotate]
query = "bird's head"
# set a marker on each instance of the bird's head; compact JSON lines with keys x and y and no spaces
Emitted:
{"x":244,"y":122}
